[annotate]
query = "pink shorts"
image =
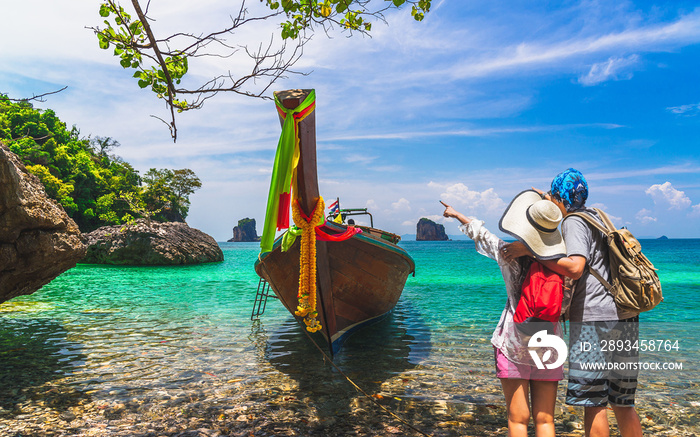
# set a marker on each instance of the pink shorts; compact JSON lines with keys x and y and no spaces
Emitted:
{"x":507,"y":369}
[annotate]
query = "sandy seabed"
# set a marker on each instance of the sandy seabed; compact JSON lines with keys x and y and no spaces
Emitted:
{"x":303,"y":405}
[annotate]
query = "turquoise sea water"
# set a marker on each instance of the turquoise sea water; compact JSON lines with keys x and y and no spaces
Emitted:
{"x":138,"y":332}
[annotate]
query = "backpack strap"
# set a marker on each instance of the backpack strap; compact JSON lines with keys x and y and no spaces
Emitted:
{"x":606,"y":228}
{"x":597,"y":275}
{"x":606,"y":220}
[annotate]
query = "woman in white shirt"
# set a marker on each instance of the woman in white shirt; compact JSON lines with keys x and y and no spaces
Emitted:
{"x":528,"y":390}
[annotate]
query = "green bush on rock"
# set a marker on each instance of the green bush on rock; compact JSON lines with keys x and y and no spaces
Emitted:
{"x":91,"y":184}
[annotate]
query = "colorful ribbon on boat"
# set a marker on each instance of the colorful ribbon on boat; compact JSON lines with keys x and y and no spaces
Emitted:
{"x":291,"y":235}
{"x":283,"y":181}
{"x":321,"y":235}
{"x":306,"y":295}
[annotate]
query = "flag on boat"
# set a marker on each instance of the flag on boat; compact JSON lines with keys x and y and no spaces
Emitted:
{"x":333,"y":207}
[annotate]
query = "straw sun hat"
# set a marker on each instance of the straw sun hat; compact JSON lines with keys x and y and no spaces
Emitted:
{"x":534,"y":222}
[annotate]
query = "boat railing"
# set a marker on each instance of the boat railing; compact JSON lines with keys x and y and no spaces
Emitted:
{"x":384,"y":235}
{"x":368,"y":230}
{"x":353,"y":212}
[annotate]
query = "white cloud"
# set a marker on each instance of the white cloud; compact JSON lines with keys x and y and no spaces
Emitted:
{"x":666,"y":194}
{"x":613,"y":69}
{"x":538,"y":54}
{"x":695,"y":211}
{"x":362,"y":159}
{"x":686,"y":110}
{"x":436,"y":218}
{"x":460,"y":196}
{"x":644,"y":216}
{"x":402,"y":205}
{"x":640,"y":173}
{"x":480,"y":132}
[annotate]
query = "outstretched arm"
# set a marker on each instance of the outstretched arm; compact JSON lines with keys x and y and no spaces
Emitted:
{"x":451,"y":212}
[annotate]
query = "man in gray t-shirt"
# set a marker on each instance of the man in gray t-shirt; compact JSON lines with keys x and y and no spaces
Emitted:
{"x":590,"y":300}
{"x":594,"y":318}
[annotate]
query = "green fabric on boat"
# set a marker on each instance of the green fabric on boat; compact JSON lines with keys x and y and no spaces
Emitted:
{"x":286,"y":159}
{"x":290,"y":237}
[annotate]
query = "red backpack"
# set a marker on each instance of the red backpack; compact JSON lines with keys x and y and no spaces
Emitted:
{"x":541,"y":297}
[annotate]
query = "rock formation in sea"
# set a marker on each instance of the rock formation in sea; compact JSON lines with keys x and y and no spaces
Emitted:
{"x":38,"y":241}
{"x":143,"y":243}
{"x":428,"y":230}
{"x":245,"y":231}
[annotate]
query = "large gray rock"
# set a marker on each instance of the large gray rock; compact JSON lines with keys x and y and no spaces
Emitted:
{"x":245,"y":231}
{"x":38,"y":241}
{"x":428,"y":230}
{"x":151,"y":244}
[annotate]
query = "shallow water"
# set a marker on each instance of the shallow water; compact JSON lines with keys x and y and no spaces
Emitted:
{"x":181,"y":338}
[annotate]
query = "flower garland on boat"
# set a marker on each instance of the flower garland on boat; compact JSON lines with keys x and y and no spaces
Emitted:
{"x":307,"y":263}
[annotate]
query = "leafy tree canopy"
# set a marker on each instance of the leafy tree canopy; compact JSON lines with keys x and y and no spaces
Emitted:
{"x":169,"y":191}
{"x":93,"y":186}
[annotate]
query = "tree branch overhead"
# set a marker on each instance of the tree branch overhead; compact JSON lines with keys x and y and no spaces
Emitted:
{"x":161,"y":62}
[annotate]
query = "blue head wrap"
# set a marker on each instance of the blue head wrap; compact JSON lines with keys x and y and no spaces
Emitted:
{"x":571,"y":188}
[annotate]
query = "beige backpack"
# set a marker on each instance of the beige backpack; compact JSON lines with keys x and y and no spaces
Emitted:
{"x":635,"y":284}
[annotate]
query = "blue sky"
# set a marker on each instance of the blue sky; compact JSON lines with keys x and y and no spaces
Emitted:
{"x":478,"y":102}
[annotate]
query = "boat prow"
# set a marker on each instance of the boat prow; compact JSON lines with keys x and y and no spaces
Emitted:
{"x":367,"y":275}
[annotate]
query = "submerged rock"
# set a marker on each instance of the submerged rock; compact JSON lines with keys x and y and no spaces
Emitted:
{"x":428,"y":230}
{"x":155,"y":243}
{"x":38,"y":241}
{"x":245,"y":231}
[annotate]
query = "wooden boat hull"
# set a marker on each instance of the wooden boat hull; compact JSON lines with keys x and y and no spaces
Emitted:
{"x":367,"y":276}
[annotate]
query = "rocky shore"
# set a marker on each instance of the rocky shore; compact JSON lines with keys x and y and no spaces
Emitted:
{"x":38,"y":241}
{"x":280,"y":406}
{"x":150,"y":243}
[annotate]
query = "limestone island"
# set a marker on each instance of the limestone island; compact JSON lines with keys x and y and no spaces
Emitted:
{"x":245,"y":231}
{"x":428,"y":230}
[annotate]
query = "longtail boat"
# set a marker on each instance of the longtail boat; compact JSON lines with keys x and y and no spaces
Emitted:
{"x":335,"y":277}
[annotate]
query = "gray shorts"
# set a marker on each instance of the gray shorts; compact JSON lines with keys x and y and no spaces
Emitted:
{"x":602,"y":357}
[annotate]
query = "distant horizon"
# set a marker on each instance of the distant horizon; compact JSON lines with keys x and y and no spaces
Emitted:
{"x":457,"y":237}
{"x":496,"y":231}
{"x":464,"y":237}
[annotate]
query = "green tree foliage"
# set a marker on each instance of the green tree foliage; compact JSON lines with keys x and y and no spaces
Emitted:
{"x":169,"y":190}
{"x":351,"y":15}
{"x":95,"y":187}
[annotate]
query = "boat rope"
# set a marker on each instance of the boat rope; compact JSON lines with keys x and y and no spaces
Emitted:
{"x":358,"y":388}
